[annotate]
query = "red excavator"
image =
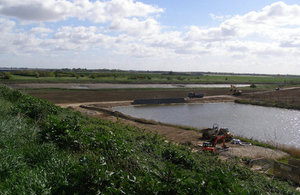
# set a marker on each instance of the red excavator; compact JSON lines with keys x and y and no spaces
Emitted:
{"x":211,"y":146}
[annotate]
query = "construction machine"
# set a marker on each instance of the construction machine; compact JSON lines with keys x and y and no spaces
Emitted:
{"x":235,"y":91}
{"x":211,"y":146}
{"x":211,"y":133}
{"x":195,"y":95}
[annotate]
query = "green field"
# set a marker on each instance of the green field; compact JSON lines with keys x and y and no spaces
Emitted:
{"x":127,"y":77}
{"x":48,"y":150}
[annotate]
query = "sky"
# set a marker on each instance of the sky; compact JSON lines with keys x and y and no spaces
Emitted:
{"x":251,"y":36}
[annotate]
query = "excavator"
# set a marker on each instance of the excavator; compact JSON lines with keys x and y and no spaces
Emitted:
{"x":211,"y":146}
{"x":235,"y":91}
{"x":211,"y":133}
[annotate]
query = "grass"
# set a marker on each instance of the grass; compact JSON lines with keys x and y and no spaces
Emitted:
{"x":256,"y":143}
{"x":48,"y":150}
{"x":268,"y":103}
{"x":293,"y":151}
{"x":126,"y":77}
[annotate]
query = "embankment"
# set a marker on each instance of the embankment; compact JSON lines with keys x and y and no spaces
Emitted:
{"x":49,"y":150}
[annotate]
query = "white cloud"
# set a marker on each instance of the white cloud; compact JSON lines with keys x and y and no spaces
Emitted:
{"x":292,"y":43}
{"x":265,"y":32}
{"x":219,"y":18}
{"x":35,"y":10}
{"x":55,"y":10}
{"x":211,"y":34}
{"x":41,"y":31}
{"x":131,"y":28}
{"x":6,"y":25}
{"x":79,"y":38}
{"x":135,"y":27}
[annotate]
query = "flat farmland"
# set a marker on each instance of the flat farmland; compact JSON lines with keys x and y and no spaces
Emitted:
{"x":286,"y":98}
{"x":60,"y":96}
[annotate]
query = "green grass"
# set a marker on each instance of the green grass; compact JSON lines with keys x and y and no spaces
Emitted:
{"x":125,"y":77}
{"x":48,"y":150}
{"x":256,"y":143}
{"x":268,"y":103}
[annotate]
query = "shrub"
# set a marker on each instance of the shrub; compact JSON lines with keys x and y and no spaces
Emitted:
{"x":9,"y":94}
{"x":35,"y":108}
{"x":178,"y":157}
{"x":62,"y":131}
{"x":6,"y":75}
{"x":92,"y":76}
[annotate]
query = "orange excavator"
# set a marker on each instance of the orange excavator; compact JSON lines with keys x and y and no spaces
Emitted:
{"x":235,"y":91}
{"x":211,"y":146}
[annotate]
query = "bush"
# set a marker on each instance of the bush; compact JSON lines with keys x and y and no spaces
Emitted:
{"x":6,"y":75}
{"x":61,"y":131}
{"x":178,"y":157}
{"x":92,"y":76}
{"x":35,"y":108}
{"x":9,"y":94}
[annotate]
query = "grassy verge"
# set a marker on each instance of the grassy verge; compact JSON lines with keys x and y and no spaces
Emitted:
{"x":256,"y":143}
{"x":268,"y":103}
{"x":48,"y":150}
{"x":98,"y":77}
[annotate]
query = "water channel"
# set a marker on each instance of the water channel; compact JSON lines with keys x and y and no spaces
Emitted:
{"x":272,"y":125}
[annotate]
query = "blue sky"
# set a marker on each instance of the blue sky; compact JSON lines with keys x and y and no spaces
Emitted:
{"x":197,"y":12}
{"x":196,"y":35}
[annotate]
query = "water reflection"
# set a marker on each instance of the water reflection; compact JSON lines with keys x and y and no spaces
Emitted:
{"x":278,"y":126}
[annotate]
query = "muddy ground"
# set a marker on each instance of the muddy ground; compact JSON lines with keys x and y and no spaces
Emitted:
{"x":59,"y":96}
{"x":115,"y":85}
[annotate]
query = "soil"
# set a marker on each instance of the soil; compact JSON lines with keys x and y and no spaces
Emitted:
{"x":286,"y":96}
{"x":59,"y":96}
{"x":115,"y":85}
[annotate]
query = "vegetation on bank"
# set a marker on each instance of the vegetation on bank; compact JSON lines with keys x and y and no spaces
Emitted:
{"x":85,"y":76}
{"x":268,"y":103}
{"x":48,"y":150}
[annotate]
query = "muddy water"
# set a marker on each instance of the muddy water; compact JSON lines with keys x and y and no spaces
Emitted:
{"x":118,"y":86}
{"x":273,"y":125}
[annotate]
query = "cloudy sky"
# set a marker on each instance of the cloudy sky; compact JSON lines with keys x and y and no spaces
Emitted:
{"x":251,"y":36}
